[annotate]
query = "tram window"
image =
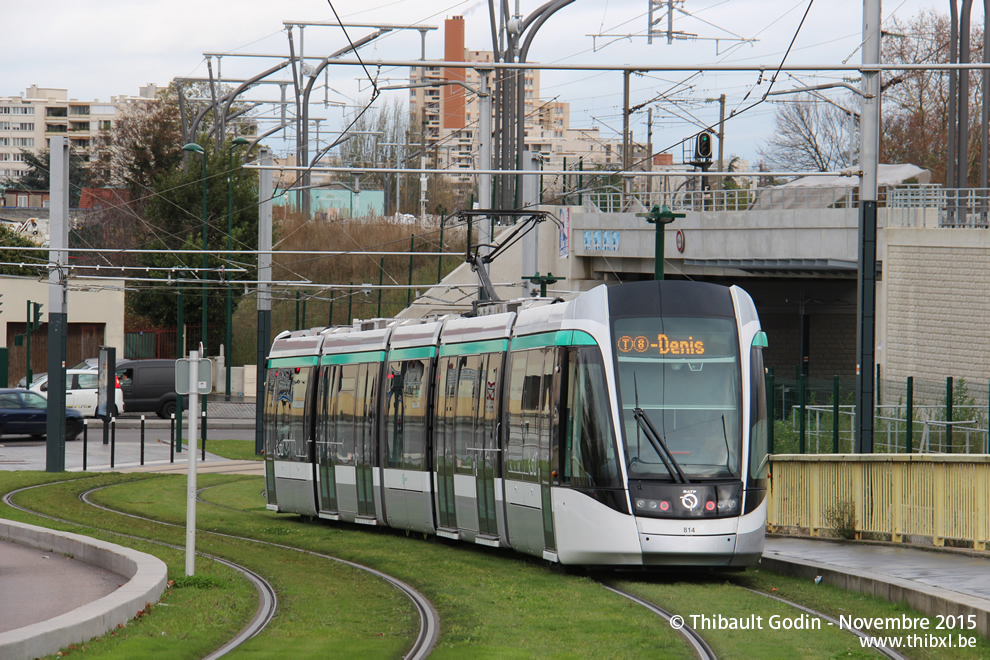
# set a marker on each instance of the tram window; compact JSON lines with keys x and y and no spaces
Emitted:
{"x":287,"y":413}
{"x":589,"y":452}
{"x":528,"y":410}
{"x":758,"y":465}
{"x":364,"y":410}
{"x":515,"y":468}
{"x":323,"y":414}
{"x":465,"y":410}
{"x":405,"y":414}
{"x":344,"y":418}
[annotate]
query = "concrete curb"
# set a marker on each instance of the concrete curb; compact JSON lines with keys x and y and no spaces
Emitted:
{"x":148,"y":577}
{"x":933,"y":601}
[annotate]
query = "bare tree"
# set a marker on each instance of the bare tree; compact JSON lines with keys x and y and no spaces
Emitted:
{"x":810,"y":135}
{"x":916,"y":103}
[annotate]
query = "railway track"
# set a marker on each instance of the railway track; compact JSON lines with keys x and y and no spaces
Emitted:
{"x":697,"y":642}
{"x":429,"y":628}
{"x":705,"y":652}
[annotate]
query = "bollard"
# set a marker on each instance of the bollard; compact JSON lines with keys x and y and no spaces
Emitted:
{"x":113,"y":439}
{"x":801,"y":411}
{"x":171,"y":438}
{"x":770,"y":411}
{"x":204,"y":435}
{"x":142,"y":439}
{"x":835,"y":414}
{"x":948,"y":414}
{"x":85,"y":441}
{"x":910,"y":415}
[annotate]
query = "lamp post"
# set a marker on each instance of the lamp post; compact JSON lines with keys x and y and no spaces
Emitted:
{"x":659,"y":216}
{"x":192,"y":146}
{"x":236,"y":142}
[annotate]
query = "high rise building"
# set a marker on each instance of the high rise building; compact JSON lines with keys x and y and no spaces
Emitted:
{"x":446,"y":116}
{"x":28,"y":121}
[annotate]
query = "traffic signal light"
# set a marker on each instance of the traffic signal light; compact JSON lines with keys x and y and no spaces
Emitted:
{"x":703,"y":146}
{"x":35,"y":321}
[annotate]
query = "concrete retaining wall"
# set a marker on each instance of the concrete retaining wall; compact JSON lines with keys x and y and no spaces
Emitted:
{"x":148,"y":577}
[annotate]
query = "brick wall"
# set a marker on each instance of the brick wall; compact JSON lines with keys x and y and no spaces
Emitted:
{"x":937,"y":311}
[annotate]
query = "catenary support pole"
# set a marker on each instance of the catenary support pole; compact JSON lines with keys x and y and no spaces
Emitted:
{"x":866,"y":276}
{"x":58,"y":308}
{"x":265,"y":191}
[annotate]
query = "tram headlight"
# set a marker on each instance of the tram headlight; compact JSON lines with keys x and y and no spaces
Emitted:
{"x":729,"y":499}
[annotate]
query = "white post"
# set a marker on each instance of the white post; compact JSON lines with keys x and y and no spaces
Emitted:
{"x":191,"y":451}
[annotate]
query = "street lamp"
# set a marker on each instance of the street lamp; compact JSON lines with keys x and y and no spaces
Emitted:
{"x":236,"y":142}
{"x":192,"y":146}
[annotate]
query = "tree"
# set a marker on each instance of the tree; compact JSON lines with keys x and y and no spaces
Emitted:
{"x":914,"y":126}
{"x":809,"y":135}
{"x":11,"y":257}
{"x":36,"y":176}
{"x":142,"y":144}
{"x":174,"y":215}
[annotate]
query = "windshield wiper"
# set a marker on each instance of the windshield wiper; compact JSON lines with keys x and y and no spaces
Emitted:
{"x":659,"y":446}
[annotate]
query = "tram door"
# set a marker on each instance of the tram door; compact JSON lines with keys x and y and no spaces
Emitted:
{"x":445,"y":458}
{"x":326,"y":439}
{"x":549,"y":413}
{"x":364,"y":449}
{"x":486,"y":441}
{"x":352,"y":442}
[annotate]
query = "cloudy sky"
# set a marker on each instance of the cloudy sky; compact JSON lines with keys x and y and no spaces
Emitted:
{"x":107,"y":48}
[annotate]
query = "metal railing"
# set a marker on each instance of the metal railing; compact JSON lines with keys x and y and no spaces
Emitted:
{"x":892,"y":496}
{"x":929,"y":434}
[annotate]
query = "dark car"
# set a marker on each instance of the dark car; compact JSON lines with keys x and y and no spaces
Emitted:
{"x":148,"y":386}
{"x":23,"y":412}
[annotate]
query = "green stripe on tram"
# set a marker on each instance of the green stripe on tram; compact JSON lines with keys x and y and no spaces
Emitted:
{"x":471,"y":347}
{"x":353,"y":358}
{"x":558,"y":338}
{"x":304,"y":361}
{"x":418,"y":353}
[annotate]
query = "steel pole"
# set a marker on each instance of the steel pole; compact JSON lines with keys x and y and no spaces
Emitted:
{"x":866,"y":280}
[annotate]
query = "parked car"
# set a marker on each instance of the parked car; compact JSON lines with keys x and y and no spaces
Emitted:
{"x":81,"y":391}
{"x":23,"y":412}
{"x":148,"y":386}
{"x":88,"y":363}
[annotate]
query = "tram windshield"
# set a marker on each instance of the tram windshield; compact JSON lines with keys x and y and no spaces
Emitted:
{"x":681,"y":377}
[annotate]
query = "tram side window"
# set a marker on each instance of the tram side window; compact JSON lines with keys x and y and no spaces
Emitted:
{"x":324,"y":422}
{"x":364,"y":414}
{"x":406,"y":406}
{"x":465,"y":412}
{"x":344,"y":418}
{"x":758,"y":464}
{"x":528,"y":411}
{"x":288,"y":408}
{"x":589,"y":458}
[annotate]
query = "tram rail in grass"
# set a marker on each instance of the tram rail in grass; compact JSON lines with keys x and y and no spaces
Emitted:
{"x":490,"y":601}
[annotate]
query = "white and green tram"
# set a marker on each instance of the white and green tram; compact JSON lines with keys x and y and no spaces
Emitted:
{"x":626,"y":427}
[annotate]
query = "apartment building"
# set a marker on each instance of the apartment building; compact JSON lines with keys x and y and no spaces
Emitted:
{"x":447,"y":115}
{"x":28,"y":120}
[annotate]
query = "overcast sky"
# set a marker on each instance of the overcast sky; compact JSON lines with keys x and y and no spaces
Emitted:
{"x":107,"y":48}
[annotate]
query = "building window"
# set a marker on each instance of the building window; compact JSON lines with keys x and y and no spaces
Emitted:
{"x":23,"y":126}
{"x":23,"y":110}
{"x":4,"y":125}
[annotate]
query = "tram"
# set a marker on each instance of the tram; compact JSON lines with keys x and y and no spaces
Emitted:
{"x":626,"y":427}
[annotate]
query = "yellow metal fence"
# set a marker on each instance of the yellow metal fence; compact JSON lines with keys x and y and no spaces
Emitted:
{"x":939,"y":496}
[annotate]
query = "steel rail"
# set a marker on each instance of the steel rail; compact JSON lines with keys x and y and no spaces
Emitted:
{"x":697,"y":642}
{"x":429,"y":629}
{"x":885,"y":650}
{"x":267,"y":599}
